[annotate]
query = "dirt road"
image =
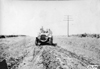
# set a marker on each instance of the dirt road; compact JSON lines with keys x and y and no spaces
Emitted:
{"x":49,"y":57}
{"x":21,"y":53}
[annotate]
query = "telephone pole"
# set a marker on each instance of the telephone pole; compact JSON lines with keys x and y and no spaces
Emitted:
{"x":68,"y":24}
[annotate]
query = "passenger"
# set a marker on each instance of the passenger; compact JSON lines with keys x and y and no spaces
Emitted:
{"x":42,"y":30}
{"x":50,"y":32}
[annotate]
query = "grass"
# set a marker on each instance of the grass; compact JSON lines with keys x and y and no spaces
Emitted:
{"x":87,"y":47}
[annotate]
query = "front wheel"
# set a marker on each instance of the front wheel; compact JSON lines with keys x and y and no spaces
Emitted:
{"x":51,"y":40}
{"x":37,"y":43}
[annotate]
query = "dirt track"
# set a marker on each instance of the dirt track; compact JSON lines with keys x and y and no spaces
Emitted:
{"x":49,"y":57}
{"x":21,"y":53}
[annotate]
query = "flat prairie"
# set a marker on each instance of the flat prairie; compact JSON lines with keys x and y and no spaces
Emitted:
{"x":70,"y":53}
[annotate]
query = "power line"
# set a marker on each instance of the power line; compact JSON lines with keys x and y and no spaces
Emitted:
{"x":68,"y":24}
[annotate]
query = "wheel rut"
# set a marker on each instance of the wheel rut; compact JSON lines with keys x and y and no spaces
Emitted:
{"x":50,"y":57}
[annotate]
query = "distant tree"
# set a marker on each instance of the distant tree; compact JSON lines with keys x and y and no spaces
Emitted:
{"x":84,"y":35}
{"x":2,"y":36}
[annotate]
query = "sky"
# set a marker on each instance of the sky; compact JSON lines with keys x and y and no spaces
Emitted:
{"x":26,"y":17}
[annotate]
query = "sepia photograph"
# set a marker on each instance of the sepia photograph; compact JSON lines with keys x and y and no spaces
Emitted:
{"x":49,"y":34}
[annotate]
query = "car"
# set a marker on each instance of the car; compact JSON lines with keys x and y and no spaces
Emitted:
{"x":43,"y":39}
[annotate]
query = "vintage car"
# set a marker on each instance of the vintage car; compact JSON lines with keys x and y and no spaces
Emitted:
{"x":44,"y":38}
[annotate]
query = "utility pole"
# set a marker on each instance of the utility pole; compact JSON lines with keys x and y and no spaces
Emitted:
{"x":68,"y":24}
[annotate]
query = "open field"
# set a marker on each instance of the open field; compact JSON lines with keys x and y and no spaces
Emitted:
{"x":71,"y":53}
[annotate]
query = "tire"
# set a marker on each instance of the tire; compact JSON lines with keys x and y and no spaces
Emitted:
{"x":37,"y":42}
{"x":51,"y":41}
